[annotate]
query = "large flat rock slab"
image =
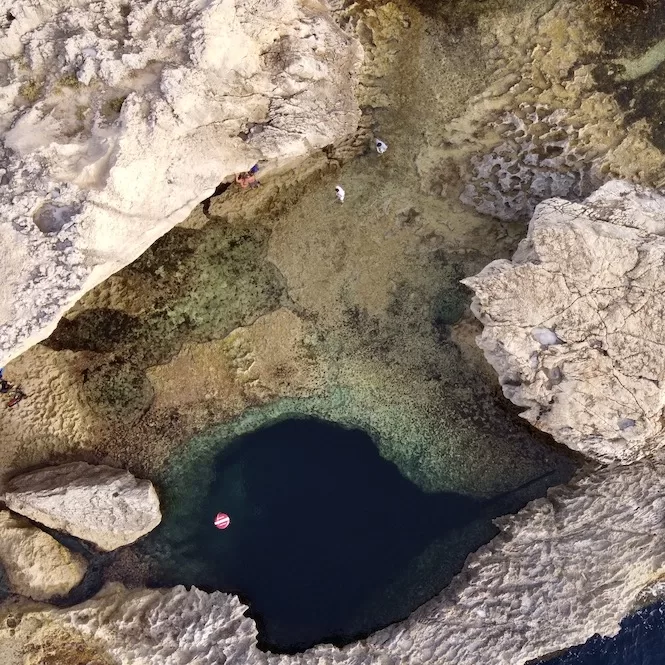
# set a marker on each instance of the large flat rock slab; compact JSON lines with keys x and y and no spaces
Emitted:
{"x":106,"y":506}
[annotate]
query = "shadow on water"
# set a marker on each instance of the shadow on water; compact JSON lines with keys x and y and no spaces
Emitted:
{"x":328,"y":541}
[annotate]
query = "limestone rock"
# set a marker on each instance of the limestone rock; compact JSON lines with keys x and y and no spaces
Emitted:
{"x":565,"y":567}
{"x":36,"y":564}
{"x":106,"y":506}
{"x":118,"y":118}
{"x":508,"y":181}
{"x":574,"y":325}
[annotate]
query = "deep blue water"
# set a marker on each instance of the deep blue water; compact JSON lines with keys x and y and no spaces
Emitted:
{"x":641,"y":641}
{"x":328,"y":541}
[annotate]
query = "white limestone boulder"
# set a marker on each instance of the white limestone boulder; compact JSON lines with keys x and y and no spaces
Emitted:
{"x":106,"y":506}
{"x":118,"y":118}
{"x":36,"y":565}
{"x":575,"y":324}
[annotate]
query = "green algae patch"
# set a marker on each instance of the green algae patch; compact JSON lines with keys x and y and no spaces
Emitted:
{"x":190,"y":286}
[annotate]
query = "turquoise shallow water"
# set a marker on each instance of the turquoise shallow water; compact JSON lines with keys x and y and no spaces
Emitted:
{"x":328,"y":540}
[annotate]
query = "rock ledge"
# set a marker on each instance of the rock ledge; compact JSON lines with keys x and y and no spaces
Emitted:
{"x":574,"y":325}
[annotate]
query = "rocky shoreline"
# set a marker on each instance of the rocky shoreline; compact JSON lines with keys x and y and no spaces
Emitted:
{"x":278,"y":299}
{"x":537,"y":588}
{"x":119,"y":119}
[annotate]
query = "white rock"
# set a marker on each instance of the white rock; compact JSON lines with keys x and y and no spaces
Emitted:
{"x":562,"y":569}
{"x":86,"y":189}
{"x":545,"y":336}
{"x":106,"y":506}
{"x":36,"y":564}
{"x":593,"y":272}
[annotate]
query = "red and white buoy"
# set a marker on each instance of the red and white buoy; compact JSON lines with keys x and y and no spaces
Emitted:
{"x":222,"y":520}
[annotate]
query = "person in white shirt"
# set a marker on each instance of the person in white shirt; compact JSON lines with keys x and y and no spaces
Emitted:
{"x":340,"y":193}
{"x":381,"y":147}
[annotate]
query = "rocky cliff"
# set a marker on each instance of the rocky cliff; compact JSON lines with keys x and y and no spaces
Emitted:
{"x":35,"y":564}
{"x":117,"y":119}
{"x":574,"y":326}
{"x":562,"y":569}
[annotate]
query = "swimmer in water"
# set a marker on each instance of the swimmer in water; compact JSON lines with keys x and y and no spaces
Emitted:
{"x":381,"y":147}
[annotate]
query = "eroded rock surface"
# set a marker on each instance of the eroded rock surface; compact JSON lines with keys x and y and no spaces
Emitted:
{"x":562,"y":569}
{"x":574,"y":323}
{"x":549,"y":124}
{"x":508,"y":605}
{"x":117,"y":119}
{"x":36,"y":564}
{"x":106,"y":506}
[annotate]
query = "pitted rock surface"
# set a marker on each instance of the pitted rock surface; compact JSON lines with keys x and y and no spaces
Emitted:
{"x":106,"y":506}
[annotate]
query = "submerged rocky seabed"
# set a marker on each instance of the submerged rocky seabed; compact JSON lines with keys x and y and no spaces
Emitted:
{"x":279,"y":301}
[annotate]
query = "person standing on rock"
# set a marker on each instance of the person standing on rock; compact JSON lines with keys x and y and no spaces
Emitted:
{"x":5,"y":386}
{"x":340,"y":193}
{"x":247,"y":179}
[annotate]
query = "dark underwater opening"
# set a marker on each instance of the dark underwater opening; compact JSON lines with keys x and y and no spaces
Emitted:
{"x":328,"y":541}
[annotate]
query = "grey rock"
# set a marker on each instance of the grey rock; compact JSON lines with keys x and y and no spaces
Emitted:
{"x":106,"y":506}
{"x":589,"y":279}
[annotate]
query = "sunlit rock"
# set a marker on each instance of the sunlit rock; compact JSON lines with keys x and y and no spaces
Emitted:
{"x":36,"y":565}
{"x":574,"y":324}
{"x":100,"y":504}
{"x":564,"y":568}
{"x":117,"y":119}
